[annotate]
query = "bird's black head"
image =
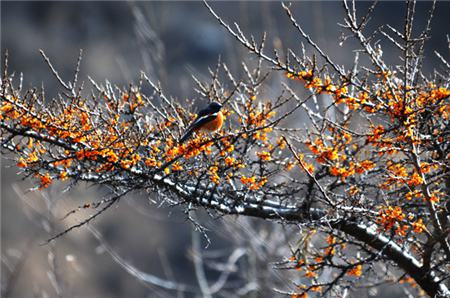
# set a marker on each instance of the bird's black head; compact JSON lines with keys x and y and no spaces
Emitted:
{"x":215,"y":107}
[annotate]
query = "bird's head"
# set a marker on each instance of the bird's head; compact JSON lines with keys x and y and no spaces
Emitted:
{"x":215,"y":106}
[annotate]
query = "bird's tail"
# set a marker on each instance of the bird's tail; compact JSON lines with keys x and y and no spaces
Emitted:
{"x":186,"y":136}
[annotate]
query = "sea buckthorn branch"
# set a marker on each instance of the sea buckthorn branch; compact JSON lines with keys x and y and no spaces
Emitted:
{"x":378,"y":165}
{"x":272,"y":211}
{"x":308,"y":172}
{"x":370,"y":174}
{"x":113,"y":152}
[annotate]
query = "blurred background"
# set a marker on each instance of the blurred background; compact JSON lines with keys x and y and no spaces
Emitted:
{"x":169,"y":41}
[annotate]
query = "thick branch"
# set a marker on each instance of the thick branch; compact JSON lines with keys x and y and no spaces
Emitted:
{"x":300,"y":214}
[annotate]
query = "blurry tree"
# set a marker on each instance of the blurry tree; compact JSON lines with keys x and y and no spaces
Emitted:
{"x":368,"y":180}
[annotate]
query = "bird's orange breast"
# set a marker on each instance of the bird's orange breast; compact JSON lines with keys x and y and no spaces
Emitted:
{"x":215,"y":124}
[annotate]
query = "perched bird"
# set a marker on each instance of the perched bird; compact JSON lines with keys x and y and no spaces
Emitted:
{"x":209,"y":118}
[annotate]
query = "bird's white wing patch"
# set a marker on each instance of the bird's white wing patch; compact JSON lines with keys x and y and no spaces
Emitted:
{"x":204,"y":118}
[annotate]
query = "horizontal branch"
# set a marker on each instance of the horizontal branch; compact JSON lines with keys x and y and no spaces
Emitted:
{"x":300,"y":214}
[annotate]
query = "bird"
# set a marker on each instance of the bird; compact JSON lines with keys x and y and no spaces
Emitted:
{"x":209,"y":118}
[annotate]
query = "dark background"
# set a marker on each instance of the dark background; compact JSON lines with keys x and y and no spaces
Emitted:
{"x":174,"y":40}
